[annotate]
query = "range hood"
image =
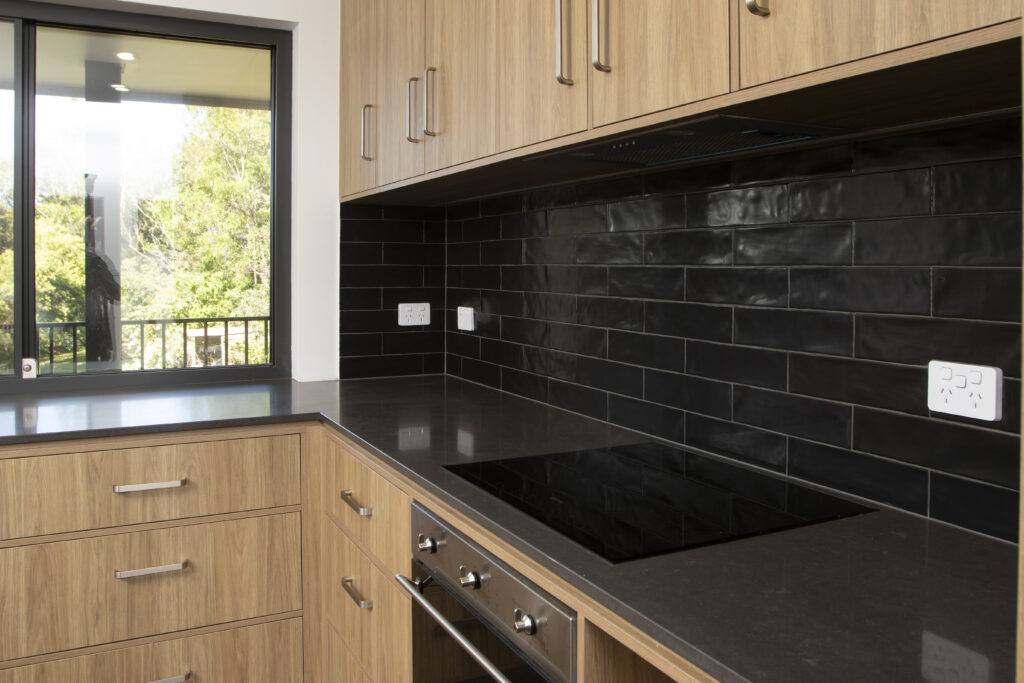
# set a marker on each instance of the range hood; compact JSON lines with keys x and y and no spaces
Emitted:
{"x":702,"y":138}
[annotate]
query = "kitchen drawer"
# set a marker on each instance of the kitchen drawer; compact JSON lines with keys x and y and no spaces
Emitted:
{"x":378,"y":633}
{"x":59,"y":596}
{"x":341,"y":665}
{"x":266,"y":653}
{"x":56,"y":493}
{"x":382,"y":525}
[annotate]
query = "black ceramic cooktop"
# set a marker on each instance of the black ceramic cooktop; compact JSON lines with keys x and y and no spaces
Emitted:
{"x":628,"y":502}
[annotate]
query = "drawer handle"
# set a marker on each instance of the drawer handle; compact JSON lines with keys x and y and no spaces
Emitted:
{"x":595,"y":30}
{"x":153,"y":486}
{"x":560,"y":73}
{"x":175,"y":679}
{"x":346,"y":496}
{"x":428,"y":101}
{"x":146,"y":571}
{"x":409,"y":113}
{"x":759,"y":8}
{"x":346,"y":583}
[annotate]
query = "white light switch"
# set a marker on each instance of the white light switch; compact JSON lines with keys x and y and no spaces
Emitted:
{"x":413,"y":314}
{"x":465,"y":318}
{"x":967,"y":390}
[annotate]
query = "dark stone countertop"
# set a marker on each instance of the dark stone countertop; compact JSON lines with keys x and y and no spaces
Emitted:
{"x":883,"y":596}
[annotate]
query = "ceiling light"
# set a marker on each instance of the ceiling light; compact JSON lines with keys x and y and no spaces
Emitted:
{"x":125,"y":56}
{"x":119,"y":87}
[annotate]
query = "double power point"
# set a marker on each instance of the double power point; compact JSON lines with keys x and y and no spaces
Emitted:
{"x":967,"y":390}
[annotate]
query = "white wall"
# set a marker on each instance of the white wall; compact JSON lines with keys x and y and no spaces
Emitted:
{"x":315,"y":25}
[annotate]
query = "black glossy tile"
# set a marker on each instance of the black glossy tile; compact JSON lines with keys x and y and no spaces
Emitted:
{"x":667,"y":423}
{"x":987,"y":140}
{"x":358,"y":298}
{"x":456,"y":296}
{"x":458,"y":212}
{"x":501,"y":303}
{"x":794,"y":415}
{"x":360,"y":344}
{"x":610,"y":376}
{"x":478,"y":229}
{"x":655,"y":213}
{"x":434,"y":232}
{"x":481,"y":277}
{"x":433,"y":363}
{"x":983,"y":240}
{"x":955,"y":449}
{"x":506,"y":203}
{"x":577,"y":279}
{"x":381,"y":276}
{"x":919,"y":340}
{"x":745,"y":286}
{"x":502,"y":251}
{"x":869,"y":383}
{"x":578,"y":399}
{"x":587,"y":341}
{"x":433,"y":276}
{"x":524,"y":384}
{"x":432,"y":213}
{"x":481,"y":372}
{"x":380,"y":366}
{"x":877,"y":290}
{"x":901,"y":193}
{"x":549,"y":250}
{"x":487,"y":325}
{"x":524,"y":331}
{"x":610,"y":189}
{"x":830,"y":333}
{"x":816,"y":244}
{"x":524,"y":278}
{"x":367,"y":253}
{"x":558,"y":307}
{"x":623,"y":314}
{"x":742,"y":206}
{"x":691,"y":179}
{"x":501,"y":353}
{"x":453,"y":276}
{"x":983,"y":293}
{"x":980,"y":186}
{"x":381,"y":231}
{"x":365,"y":211}
{"x":696,"y":321}
{"x":697,"y":247}
{"x":900,"y":485}
{"x":463,"y":253}
{"x":453,"y":231}
{"x":737,"y":364}
{"x":737,"y":441}
{"x":413,"y":342}
{"x":462,"y":344}
{"x":524,"y":225}
{"x":578,"y":219}
{"x":693,"y":394}
{"x":557,"y":364}
{"x":453,"y":365}
{"x":647,"y":350}
{"x":985,"y":509}
{"x":647,"y":283}
{"x":416,"y":254}
{"x":392,"y":296}
{"x":609,"y":249}
{"x":807,"y":162}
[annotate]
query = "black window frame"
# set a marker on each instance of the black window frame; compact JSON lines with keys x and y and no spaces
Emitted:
{"x":26,"y":16}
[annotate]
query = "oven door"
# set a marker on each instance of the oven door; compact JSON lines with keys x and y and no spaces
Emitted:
{"x":453,"y":644}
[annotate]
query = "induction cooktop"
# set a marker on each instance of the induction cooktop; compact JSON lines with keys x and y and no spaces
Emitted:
{"x":629,"y":502}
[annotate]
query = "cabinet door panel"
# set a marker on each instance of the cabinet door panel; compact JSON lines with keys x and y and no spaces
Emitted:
{"x":803,"y":35}
{"x":359,"y":33}
{"x":662,"y":53}
{"x":400,"y":58}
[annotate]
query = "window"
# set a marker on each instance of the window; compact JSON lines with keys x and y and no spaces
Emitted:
{"x":143,"y":198}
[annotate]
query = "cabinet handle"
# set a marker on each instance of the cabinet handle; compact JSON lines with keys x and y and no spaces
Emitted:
{"x":561,"y":74}
{"x":761,"y":8}
{"x":595,"y":18}
{"x":346,"y":583}
{"x":428,"y":101}
{"x":154,"y":486}
{"x":409,"y":86}
{"x":363,"y":146}
{"x":175,"y":679}
{"x":162,"y":569}
{"x":346,"y":496}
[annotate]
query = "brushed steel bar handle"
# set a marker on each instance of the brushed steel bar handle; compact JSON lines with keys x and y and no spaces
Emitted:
{"x":428,"y":102}
{"x":153,"y":486}
{"x":409,"y":86}
{"x":363,"y":146}
{"x":595,"y":18}
{"x":346,"y":583}
{"x":346,"y":496}
{"x":761,"y":8}
{"x":560,"y":72}
{"x":412,"y":588}
{"x":175,"y":679}
{"x":162,"y":569}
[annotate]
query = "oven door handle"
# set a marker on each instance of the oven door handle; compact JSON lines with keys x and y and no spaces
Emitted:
{"x":463,"y":642}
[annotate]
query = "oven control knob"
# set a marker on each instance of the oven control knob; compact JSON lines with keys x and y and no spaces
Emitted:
{"x":469,"y":579}
{"x":426,"y":544}
{"x":523,"y":623}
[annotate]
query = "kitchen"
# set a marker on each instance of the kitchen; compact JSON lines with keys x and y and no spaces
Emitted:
{"x":659,"y":301}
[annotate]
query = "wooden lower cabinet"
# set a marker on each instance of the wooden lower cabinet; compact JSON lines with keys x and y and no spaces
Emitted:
{"x":265,"y":653}
{"x":342,"y":666}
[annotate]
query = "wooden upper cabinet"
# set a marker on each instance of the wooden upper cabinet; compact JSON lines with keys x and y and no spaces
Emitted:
{"x":656,"y":54}
{"x":360,"y":110}
{"x":460,"y":84}
{"x":542,"y":70}
{"x":798,"y":36}
{"x":400,"y":90}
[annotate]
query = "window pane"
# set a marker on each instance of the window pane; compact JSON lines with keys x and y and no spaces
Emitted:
{"x":152,"y":206}
{"x":6,"y":198}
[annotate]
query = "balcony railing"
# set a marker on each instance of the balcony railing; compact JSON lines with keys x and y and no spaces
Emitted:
{"x":161,"y":344}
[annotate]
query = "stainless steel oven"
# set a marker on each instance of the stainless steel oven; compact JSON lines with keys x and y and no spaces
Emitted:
{"x":477,"y":619}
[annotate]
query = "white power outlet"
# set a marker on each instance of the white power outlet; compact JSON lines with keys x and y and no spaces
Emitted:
{"x":465,"y":318}
{"x":413,"y":314}
{"x":967,"y":390}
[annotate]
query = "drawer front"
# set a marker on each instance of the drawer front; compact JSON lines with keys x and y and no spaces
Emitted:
{"x":266,"y":653}
{"x":383,"y":526}
{"x":341,"y":665}
{"x":379,"y":636}
{"x":59,"y":596}
{"x":57,"y":493}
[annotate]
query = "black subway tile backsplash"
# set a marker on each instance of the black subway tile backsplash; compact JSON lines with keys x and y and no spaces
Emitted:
{"x":969,"y":240}
{"x":794,"y":415}
{"x":830,"y":333}
{"x":655,"y":213}
{"x":579,"y":219}
{"x":879,"y":290}
{"x":795,"y":245}
{"x":741,"y":206}
{"x":610,"y":249}
{"x":988,"y":509}
{"x":696,"y":321}
{"x":623,"y":314}
{"x":901,"y":193}
{"x":694,"y":394}
{"x":735,"y":440}
{"x":745,"y":286}
{"x":647,"y":350}
{"x":886,"y":385}
{"x":984,"y":293}
{"x":979,"y":186}
{"x":742,"y":365}
{"x":647,"y":283}
{"x":688,"y":247}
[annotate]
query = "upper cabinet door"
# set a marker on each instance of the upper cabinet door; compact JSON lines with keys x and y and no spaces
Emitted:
{"x":797,"y":36}
{"x":359,"y":107}
{"x":650,"y":55}
{"x":459,"y":81}
{"x":542,"y":70}
{"x":400,"y":90}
